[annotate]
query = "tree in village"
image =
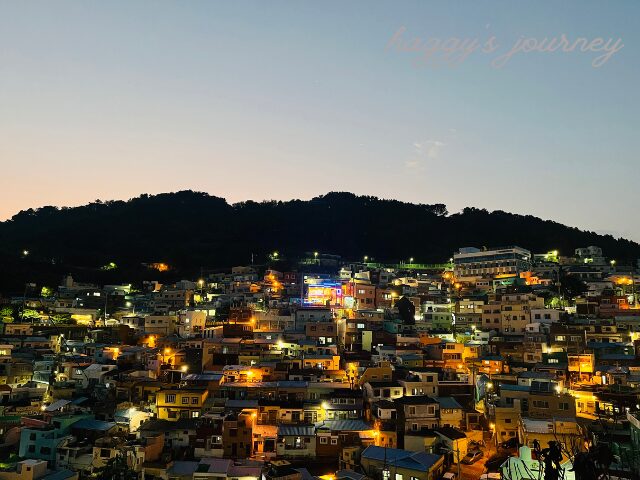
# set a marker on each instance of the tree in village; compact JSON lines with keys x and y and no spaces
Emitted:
{"x":116,"y":468}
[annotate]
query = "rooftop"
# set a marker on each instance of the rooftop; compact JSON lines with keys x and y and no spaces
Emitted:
{"x":419,"y":461}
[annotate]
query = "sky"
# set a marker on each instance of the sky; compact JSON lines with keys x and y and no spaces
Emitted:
{"x":293,"y":99}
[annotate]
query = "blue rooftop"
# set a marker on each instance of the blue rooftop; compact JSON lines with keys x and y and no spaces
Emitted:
{"x":93,"y":424}
{"x":593,"y":344}
{"x":420,"y":461}
{"x":448,"y":402}
{"x":514,"y":388}
{"x":617,"y":356}
{"x":345,"y":425}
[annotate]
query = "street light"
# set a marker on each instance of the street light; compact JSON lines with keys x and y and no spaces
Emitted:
{"x":366,"y":258}
{"x":25,"y":252}
{"x":411,"y":260}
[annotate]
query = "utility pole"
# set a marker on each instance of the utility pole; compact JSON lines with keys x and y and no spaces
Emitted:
{"x":106,"y":297}
{"x":24,"y":299}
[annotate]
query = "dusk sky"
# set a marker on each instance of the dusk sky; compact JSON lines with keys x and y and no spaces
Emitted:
{"x":292,"y":99}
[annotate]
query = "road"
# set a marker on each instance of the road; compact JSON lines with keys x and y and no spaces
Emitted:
{"x":473,"y":471}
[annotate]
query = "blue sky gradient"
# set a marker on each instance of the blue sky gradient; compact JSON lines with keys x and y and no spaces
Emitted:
{"x":291,"y":99}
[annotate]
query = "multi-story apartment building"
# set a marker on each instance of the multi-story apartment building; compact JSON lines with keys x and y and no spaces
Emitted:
{"x":420,"y":383}
{"x":510,"y":313}
{"x":175,"y":403}
{"x":171,"y":300}
{"x":417,"y":413}
{"x":470,"y":262}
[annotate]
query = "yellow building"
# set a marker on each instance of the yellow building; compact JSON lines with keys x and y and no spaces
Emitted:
{"x":589,"y":405}
{"x":581,"y":366}
{"x":382,"y":372}
{"x":386,"y":437}
{"x":566,"y":430}
{"x":175,"y":403}
{"x":323,"y":362}
{"x":510,"y":313}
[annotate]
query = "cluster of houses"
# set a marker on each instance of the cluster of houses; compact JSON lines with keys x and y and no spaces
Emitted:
{"x":330,"y":370}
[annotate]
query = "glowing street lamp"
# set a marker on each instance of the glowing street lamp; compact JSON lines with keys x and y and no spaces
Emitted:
{"x":166,"y":352}
{"x":366,"y":258}
{"x":411,"y":260}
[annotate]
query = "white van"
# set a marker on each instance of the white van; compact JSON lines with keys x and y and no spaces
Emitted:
{"x":490,"y":476}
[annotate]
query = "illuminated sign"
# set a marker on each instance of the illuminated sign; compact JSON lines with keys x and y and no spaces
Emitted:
{"x":324,"y":293}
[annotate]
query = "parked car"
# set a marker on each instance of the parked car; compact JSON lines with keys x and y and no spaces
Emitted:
{"x":449,"y":476}
{"x":494,"y":462}
{"x":510,"y":444}
{"x":472,"y":457}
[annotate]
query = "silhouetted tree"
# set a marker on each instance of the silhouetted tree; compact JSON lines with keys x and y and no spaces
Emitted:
{"x":116,"y":469}
{"x":571,"y":286}
{"x":406,"y":310}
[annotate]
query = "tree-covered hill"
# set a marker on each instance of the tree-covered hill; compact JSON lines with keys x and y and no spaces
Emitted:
{"x":194,"y":230}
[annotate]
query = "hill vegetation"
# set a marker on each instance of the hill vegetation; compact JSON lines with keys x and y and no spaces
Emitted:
{"x":193,"y":230}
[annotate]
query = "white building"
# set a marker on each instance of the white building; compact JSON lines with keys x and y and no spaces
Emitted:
{"x":470,"y":261}
{"x":591,"y":255}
